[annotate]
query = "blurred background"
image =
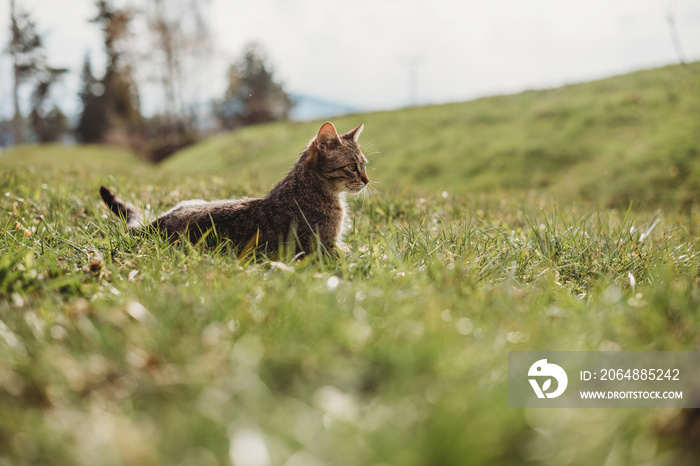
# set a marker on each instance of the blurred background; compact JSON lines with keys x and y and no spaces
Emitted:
{"x":515,"y":215}
{"x":157,"y":75}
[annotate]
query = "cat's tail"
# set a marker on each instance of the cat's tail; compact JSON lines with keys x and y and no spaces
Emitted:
{"x":122,"y":209}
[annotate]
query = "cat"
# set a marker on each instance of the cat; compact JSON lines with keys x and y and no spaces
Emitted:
{"x":305,"y":209}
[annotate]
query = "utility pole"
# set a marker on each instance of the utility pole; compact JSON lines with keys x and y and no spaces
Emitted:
{"x":412,"y":64}
{"x":671,"y":18}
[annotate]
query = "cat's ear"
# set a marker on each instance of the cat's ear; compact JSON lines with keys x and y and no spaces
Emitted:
{"x":327,"y":134}
{"x":354,"y":134}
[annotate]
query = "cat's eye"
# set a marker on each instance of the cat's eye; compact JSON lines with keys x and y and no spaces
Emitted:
{"x":354,"y":167}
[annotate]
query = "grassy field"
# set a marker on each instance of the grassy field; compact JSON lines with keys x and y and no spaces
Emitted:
{"x":638,"y":130}
{"x":497,"y":225}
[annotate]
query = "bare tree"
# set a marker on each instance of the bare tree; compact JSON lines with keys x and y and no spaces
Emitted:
{"x":181,"y":44}
{"x":25,"y":48}
{"x":31,"y":66}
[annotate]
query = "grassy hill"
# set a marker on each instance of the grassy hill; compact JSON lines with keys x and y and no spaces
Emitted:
{"x":118,"y":350}
{"x":631,"y":137}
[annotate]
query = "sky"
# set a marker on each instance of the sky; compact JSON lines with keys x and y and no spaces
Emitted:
{"x":385,"y":54}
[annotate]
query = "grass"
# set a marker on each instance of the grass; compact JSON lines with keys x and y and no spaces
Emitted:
{"x":639,"y":130}
{"x":121,"y":350}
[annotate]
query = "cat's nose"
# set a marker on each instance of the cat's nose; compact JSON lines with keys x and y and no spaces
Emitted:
{"x":364,"y":179}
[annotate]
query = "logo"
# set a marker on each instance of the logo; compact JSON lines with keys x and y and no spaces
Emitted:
{"x":542,"y":368}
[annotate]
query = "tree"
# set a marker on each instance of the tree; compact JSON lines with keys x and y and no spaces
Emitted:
{"x":93,"y":122}
{"x":111,"y":105}
{"x":25,"y":48}
{"x":253,"y":95}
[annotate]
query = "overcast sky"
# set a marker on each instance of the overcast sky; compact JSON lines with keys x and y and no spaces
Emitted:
{"x":358,"y":52}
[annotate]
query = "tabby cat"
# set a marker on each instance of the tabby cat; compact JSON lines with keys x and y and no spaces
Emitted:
{"x":305,"y":210}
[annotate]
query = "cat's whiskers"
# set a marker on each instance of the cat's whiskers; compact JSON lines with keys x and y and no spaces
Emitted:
{"x":365,"y":194}
{"x":371,"y":154}
{"x":372,"y":185}
{"x":368,"y":145}
{"x":368,"y":190}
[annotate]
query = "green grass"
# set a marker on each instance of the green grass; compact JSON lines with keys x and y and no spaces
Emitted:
{"x":631,"y":137}
{"x":120,"y":350}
